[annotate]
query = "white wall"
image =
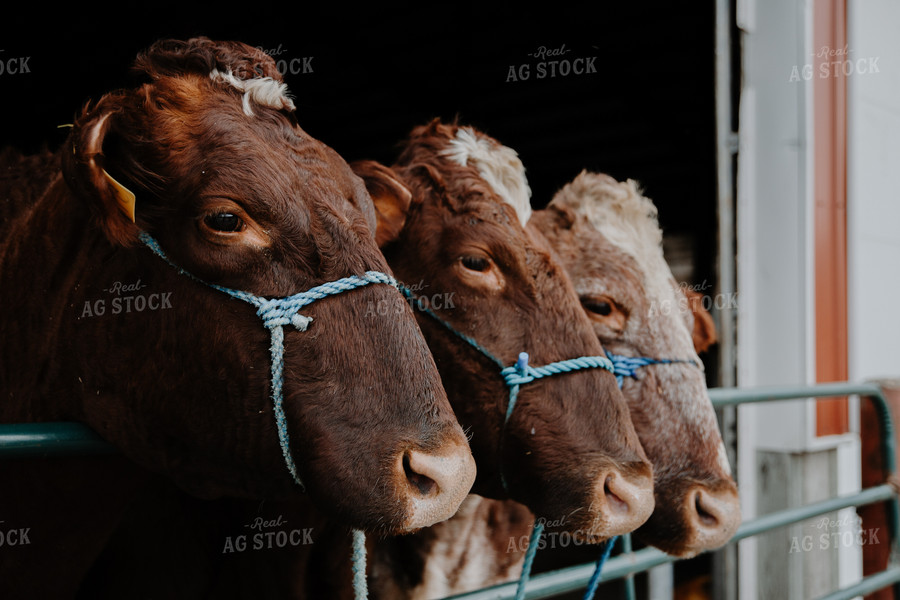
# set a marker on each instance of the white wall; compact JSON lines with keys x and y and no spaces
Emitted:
{"x":776,"y":302}
{"x":773,"y":242}
{"x":873,"y":202}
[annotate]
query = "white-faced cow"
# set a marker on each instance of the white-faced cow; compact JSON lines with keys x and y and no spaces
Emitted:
{"x":184,"y":379}
{"x":607,"y":235}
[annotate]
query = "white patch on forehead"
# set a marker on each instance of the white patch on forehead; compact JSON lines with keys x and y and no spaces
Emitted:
{"x":627,"y":219}
{"x":498,"y":165}
{"x":264,"y":91}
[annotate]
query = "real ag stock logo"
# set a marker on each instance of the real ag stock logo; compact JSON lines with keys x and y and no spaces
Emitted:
{"x":126,"y":297}
{"x":834,"y":62}
{"x":301,"y":65}
{"x":836,"y":533}
{"x":549,"y":63}
{"x":14,"y":536}
{"x":267,"y":535}
{"x":13,"y":65}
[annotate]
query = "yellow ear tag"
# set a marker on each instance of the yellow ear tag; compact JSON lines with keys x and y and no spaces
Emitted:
{"x":123,"y":195}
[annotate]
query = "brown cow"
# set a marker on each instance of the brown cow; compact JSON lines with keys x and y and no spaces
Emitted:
{"x":452,"y":214}
{"x":176,"y":374}
{"x":606,"y":234}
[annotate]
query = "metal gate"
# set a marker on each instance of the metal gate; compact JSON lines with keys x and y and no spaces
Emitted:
{"x":628,"y":564}
{"x":58,"y":439}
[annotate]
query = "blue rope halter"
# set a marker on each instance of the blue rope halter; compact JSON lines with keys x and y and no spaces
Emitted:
{"x":521,"y":372}
{"x":275,"y":314}
{"x":627,"y":366}
{"x":623,"y":366}
{"x":515,"y":376}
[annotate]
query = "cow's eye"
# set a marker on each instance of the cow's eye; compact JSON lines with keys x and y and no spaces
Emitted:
{"x":598,"y":307}
{"x":224,"y":222}
{"x":475,"y":263}
{"x":605,"y":312}
{"x":479,"y":271}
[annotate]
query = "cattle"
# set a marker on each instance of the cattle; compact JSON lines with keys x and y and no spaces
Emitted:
{"x":607,"y":235}
{"x":597,"y":226}
{"x":119,"y":254}
{"x":452,"y":214}
{"x":469,"y":260}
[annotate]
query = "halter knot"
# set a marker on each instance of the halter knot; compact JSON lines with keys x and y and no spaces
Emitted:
{"x":627,"y":366}
{"x":520,"y":373}
{"x":279,"y":312}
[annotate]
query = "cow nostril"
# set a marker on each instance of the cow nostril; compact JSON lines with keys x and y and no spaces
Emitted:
{"x":706,"y":518}
{"x":434,"y":483}
{"x":615,"y":503}
{"x":425,"y":485}
{"x":622,"y":501}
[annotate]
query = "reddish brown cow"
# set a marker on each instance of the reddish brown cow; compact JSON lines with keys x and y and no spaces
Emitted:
{"x":176,"y":374}
{"x":452,"y":214}
{"x":607,"y":236}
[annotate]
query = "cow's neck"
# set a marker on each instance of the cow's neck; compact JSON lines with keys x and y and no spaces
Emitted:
{"x":43,"y":268}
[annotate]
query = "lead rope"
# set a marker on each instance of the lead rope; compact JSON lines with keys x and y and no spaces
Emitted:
{"x":595,"y":576}
{"x":360,"y":585}
{"x":275,"y":314}
{"x":625,"y":366}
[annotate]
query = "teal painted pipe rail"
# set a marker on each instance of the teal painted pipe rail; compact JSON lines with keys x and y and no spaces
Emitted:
{"x":575,"y":578}
{"x":570,"y":579}
{"x":66,"y":439}
{"x":870,"y":584}
{"x":26,"y":440}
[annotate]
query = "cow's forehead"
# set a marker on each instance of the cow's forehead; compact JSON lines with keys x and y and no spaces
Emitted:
{"x":264,"y":91}
{"x":498,"y":165}
{"x":627,"y":219}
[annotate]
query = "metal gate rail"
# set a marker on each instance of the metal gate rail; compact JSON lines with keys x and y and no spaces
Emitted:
{"x":25,"y":440}
{"x":570,"y":579}
{"x":66,"y":439}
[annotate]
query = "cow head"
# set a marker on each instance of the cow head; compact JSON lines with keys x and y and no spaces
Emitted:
{"x":207,"y":157}
{"x":607,"y":235}
{"x":452,"y":214}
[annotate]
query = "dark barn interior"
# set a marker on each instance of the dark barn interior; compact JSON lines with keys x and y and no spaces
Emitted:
{"x":641,"y":107}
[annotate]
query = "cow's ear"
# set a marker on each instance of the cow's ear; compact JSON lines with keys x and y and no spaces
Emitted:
{"x":111,"y":203}
{"x":563,"y":216}
{"x":704,"y":333}
{"x":390,"y":197}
